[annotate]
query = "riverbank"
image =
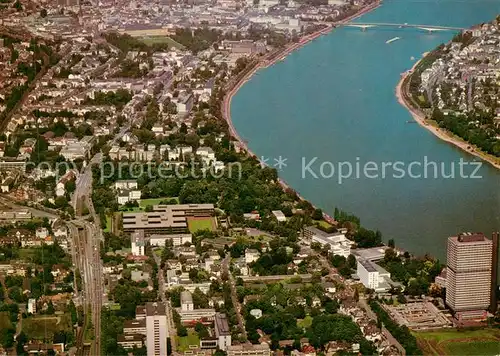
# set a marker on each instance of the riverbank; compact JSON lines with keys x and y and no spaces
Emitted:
{"x":269,"y":60}
{"x":403,"y":94}
{"x":273,"y":58}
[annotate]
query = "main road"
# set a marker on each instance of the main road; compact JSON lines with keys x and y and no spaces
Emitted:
{"x":234,"y":296}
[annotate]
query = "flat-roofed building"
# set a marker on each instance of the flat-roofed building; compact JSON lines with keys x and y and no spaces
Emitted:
{"x":186,"y":301}
{"x":187,"y":209}
{"x":158,"y":222}
{"x":11,"y":164}
{"x":310,"y":231}
{"x":222,"y":331}
{"x":138,"y":243}
{"x":339,"y":244}
{"x":191,"y":317}
{"x":468,"y":273}
{"x":130,"y":341}
{"x":140,"y":312}
{"x":249,"y":350}
{"x":240,"y":47}
{"x":372,"y":253}
{"x":177,"y":239}
{"x":156,"y":329}
{"x":134,"y":326}
{"x":373,"y":276}
{"x":22,"y":214}
{"x":278,"y":214}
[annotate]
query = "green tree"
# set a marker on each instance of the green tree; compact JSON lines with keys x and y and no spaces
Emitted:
{"x":18,"y":6}
{"x":7,"y":337}
{"x":182,"y":331}
{"x":317,"y":214}
{"x":50,"y":308}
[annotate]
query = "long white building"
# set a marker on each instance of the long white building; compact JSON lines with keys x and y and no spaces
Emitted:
{"x":339,"y":244}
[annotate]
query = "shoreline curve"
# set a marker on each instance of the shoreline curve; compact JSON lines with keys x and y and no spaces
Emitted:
{"x":269,"y":60}
{"x":443,"y":134}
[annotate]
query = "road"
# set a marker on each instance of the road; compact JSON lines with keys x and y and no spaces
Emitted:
{"x":333,"y":273}
{"x":234,"y":296}
{"x":46,"y":213}
{"x":172,"y":330}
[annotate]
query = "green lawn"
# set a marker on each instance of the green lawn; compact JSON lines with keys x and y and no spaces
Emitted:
{"x":154,"y":201}
{"x":27,"y":254}
{"x":322,"y":223}
{"x":150,"y":40}
{"x":108,"y":224}
{"x":5,"y":322}
{"x":464,"y":342}
{"x":252,"y":239}
{"x":45,"y":326}
{"x":474,"y":348}
{"x":115,"y":306}
{"x":185,"y":341}
{"x":143,"y":203}
{"x":131,"y":210}
{"x":306,"y":322}
{"x":200,"y":224}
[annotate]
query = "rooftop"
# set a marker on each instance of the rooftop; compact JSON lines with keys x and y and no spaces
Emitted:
{"x":155,"y":308}
{"x":222,"y":324}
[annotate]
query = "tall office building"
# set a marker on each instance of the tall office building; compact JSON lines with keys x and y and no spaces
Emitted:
{"x":222,"y":331}
{"x":156,"y":329}
{"x":494,"y":274}
{"x":468,"y":279}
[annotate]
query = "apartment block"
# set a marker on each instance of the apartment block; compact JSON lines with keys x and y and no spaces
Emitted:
{"x":156,"y":328}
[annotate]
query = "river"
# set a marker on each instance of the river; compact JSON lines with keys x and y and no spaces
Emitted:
{"x":333,"y":101}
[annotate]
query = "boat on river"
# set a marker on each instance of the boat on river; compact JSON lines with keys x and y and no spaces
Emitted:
{"x":393,"y":40}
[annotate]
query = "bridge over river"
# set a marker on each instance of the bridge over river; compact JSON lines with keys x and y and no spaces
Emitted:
{"x":430,"y":28}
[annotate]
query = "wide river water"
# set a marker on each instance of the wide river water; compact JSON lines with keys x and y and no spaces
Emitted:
{"x":333,"y":100}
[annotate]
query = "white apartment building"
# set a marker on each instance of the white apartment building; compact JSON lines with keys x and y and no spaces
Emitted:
{"x":249,"y":350}
{"x":126,"y":184}
{"x":373,"y":276}
{"x":156,"y":328}
{"x":32,"y":306}
{"x":222,"y":331}
{"x":124,"y":196}
{"x":251,"y":255}
{"x":138,"y":243}
{"x":177,"y":239}
{"x":339,"y":244}
{"x":186,"y":301}
{"x":278,"y":214}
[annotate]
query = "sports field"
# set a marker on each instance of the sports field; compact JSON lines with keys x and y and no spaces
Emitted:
{"x":463,"y":342}
{"x":201,"y":223}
